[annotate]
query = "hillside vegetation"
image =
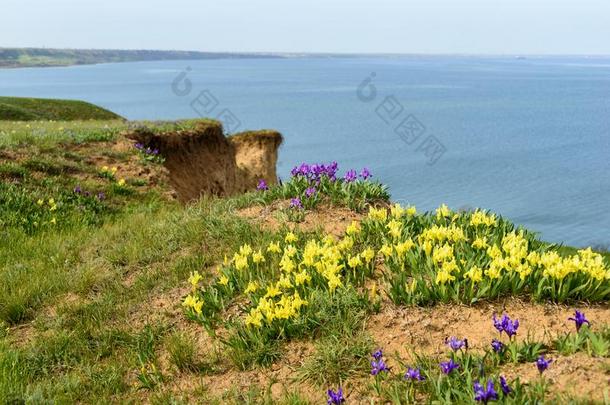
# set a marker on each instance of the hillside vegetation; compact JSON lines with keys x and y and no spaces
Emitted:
{"x":317,"y":289}
{"x":37,"y":109}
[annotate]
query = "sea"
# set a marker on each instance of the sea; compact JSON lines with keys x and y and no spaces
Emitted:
{"x":527,"y":137}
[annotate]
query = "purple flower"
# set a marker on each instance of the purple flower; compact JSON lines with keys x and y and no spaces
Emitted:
{"x":310,"y":191}
{"x":504,"y":385}
{"x":365,"y":173}
{"x":139,"y":146}
{"x":155,"y":151}
{"x":335,"y":398}
{"x":101,"y":196}
{"x":543,"y":364}
{"x":350,"y":176}
{"x":456,"y":344}
{"x":378,"y":354}
{"x":414,"y":374}
{"x":485,"y":394}
{"x":497,"y":346}
{"x":262,"y":185}
{"x":378,"y":366}
{"x":579,"y":319}
{"x":77,"y":190}
{"x":448,"y":366}
{"x":506,"y":325}
{"x":296,"y":203}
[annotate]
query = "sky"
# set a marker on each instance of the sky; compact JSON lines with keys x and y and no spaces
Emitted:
{"x":336,"y":26}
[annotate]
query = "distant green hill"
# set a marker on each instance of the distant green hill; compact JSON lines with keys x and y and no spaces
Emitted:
{"x":32,"y":109}
{"x":41,"y":57}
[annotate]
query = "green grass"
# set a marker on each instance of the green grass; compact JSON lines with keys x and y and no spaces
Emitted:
{"x":90,"y":305}
{"x":36,"y":109}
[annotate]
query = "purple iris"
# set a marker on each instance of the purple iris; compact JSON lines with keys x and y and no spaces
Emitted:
{"x":414,"y":374}
{"x":335,"y":398}
{"x":448,"y":366}
{"x":506,"y":325}
{"x":497,"y":346}
{"x":485,"y":394}
{"x":296,"y":203}
{"x":350,"y":176}
{"x":262,"y":185}
{"x":378,"y":366}
{"x":456,"y":344}
{"x":543,"y":364}
{"x":77,"y":190}
{"x":310,"y":191}
{"x":378,"y":354}
{"x":579,"y":319}
{"x":101,"y":196}
{"x":504,"y":385}
{"x":365,"y":173}
{"x":139,"y":146}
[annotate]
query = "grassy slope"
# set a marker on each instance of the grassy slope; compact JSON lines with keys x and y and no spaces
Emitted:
{"x":31,"y":109}
{"x":85,"y":305}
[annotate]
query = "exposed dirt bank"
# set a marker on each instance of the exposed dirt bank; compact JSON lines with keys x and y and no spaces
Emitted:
{"x":201,"y":160}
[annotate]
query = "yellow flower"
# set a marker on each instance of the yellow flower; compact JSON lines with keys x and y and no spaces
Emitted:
{"x":274,"y":247}
{"x":223,"y":280}
{"x":104,"y":169}
{"x":302,"y":278}
{"x":404,"y":247}
{"x":113,"y":170}
{"x":480,"y":243}
{"x":51,"y":201}
{"x":272,"y":291}
{"x":241,"y":262}
{"x":353,"y":229}
{"x":368,"y":254}
{"x":386,"y":250}
{"x":40,"y":202}
{"x":395,"y":228}
{"x":284,"y":282}
{"x":193,"y":302}
{"x":53,"y":221}
{"x":411,"y":210}
{"x":328,"y":240}
{"x":254,"y":318}
{"x":427,"y":247}
{"x":333,"y":282}
{"x":251,"y":287}
{"x":397,"y":211}
{"x":481,"y":218}
{"x":443,"y":211}
{"x":258,"y":257}
{"x":286,"y":264}
{"x":379,"y":214}
{"x":443,"y":276}
{"x":475,"y":274}
{"x":345,"y":244}
{"x":442,"y":253}
{"x":121,"y":182}
{"x":290,"y":238}
{"x":194,"y":279}
{"x":226,"y":261}
{"x":354,"y":261}
{"x":245,"y":250}
{"x":290,"y":250}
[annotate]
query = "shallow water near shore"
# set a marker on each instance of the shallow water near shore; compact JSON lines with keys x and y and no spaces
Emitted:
{"x":528,"y":138}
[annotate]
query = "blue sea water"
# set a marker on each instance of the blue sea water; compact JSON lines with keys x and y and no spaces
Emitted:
{"x":528,"y":138}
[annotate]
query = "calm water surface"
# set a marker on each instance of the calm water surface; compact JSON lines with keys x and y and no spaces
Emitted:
{"x":528,"y":138}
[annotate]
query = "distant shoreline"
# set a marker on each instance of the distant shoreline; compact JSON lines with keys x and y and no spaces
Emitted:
{"x":46,"y":57}
{"x":14,"y":58}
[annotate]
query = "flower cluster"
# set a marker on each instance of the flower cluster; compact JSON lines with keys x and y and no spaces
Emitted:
{"x":149,"y":154}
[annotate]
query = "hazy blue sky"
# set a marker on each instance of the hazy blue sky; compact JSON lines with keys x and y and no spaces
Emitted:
{"x":403,"y":26}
